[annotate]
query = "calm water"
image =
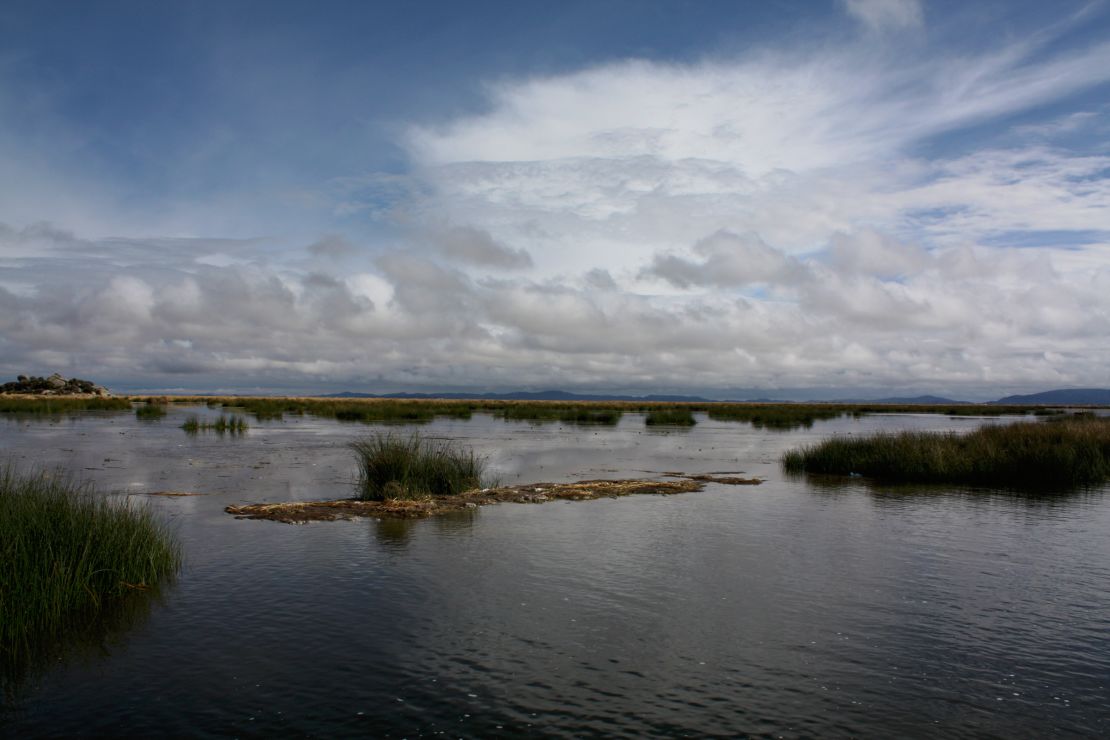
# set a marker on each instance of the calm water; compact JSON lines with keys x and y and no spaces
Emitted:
{"x":786,"y":609}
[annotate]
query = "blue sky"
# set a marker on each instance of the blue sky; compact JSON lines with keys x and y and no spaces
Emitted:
{"x":657,"y":196}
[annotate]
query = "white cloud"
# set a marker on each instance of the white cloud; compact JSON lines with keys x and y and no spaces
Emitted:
{"x":881,"y":15}
{"x":764,"y":220}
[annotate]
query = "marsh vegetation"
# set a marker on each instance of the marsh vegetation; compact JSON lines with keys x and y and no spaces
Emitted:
{"x":573,"y":414}
{"x":224,"y":424}
{"x":1068,"y":452}
{"x":779,"y":417}
{"x":773,"y":416}
{"x":413,"y":467}
{"x":67,"y":552}
{"x":60,"y":404}
{"x":150,"y":411}
{"x":673,"y":416}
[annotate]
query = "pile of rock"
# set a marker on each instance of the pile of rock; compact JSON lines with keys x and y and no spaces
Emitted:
{"x":55,"y":385}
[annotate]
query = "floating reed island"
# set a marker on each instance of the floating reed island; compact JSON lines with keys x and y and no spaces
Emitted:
{"x":1053,"y":454}
{"x":68,"y":552}
{"x":411,"y":477}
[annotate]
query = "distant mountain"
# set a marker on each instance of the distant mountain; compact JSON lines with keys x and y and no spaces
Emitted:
{"x":524,"y":396}
{"x":1064,"y":397}
{"x":915,"y":400}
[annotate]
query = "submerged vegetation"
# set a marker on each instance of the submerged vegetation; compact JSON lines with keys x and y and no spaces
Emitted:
{"x":414,"y":467}
{"x":233,"y":424}
{"x":67,"y":552}
{"x":1068,"y":452}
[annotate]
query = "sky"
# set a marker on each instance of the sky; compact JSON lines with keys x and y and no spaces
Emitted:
{"x":793,"y":199}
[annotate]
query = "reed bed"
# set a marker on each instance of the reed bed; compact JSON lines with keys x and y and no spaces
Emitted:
{"x":779,"y":417}
{"x":362,"y":410}
{"x":415,"y":467}
{"x":225,"y":424}
{"x":60,"y":404}
{"x":67,"y":551}
{"x":670,"y":416}
{"x":579,"y":414}
{"x":415,"y":411}
{"x":150,"y":411}
{"x":1042,"y":454}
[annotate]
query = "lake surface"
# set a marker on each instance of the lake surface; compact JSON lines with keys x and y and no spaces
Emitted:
{"x":787,"y":609}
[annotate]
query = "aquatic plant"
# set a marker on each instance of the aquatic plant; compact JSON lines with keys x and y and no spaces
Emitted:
{"x":60,"y":405}
{"x":396,"y":467}
{"x":233,"y":424}
{"x":781,"y":417}
{"x":150,"y":411}
{"x":568,"y":414}
{"x":358,"y":409}
{"x":670,"y":416}
{"x":67,"y":551}
{"x":1070,"y":452}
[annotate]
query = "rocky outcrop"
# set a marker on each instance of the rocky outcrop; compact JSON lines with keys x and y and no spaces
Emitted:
{"x":55,"y":385}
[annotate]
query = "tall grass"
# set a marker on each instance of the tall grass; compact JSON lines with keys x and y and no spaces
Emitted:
{"x":65,"y":551}
{"x":363,"y":410}
{"x":670,"y":416}
{"x":574,"y":414}
{"x":392,"y":466}
{"x":775,"y":417}
{"x":1047,"y":454}
{"x":150,"y":411}
{"x":60,"y":405}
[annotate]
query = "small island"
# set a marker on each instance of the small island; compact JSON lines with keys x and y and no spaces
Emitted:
{"x":412,"y":477}
{"x":54,"y":385}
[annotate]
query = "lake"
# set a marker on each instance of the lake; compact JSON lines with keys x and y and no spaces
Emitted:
{"x":793,"y":608}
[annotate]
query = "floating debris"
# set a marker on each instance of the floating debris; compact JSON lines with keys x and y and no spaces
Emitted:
{"x":166,"y":493}
{"x":297,"y":512}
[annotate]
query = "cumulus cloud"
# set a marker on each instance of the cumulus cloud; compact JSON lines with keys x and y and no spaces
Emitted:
{"x":474,"y":246}
{"x":728,"y":260}
{"x":765,"y":220}
{"x":334,"y":246}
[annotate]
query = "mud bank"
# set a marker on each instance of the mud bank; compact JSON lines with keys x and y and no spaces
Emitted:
{"x":298,"y":512}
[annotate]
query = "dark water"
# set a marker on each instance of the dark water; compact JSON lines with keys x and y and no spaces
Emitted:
{"x":787,"y":609}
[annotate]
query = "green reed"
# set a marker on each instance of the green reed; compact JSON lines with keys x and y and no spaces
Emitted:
{"x":408,"y":467}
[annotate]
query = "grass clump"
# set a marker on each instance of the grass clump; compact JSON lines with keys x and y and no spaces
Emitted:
{"x":675,"y":416}
{"x":567,"y":414}
{"x":412,"y":467}
{"x":1057,"y":454}
{"x":775,"y":417}
{"x":150,"y":411}
{"x":67,"y":552}
{"x":233,"y":424}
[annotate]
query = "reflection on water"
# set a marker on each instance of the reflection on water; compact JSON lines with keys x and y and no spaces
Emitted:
{"x":394,"y":533}
{"x":84,"y":639}
{"x":794,"y":608}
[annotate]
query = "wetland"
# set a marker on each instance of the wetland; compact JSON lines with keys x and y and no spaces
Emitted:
{"x":801,"y":606}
